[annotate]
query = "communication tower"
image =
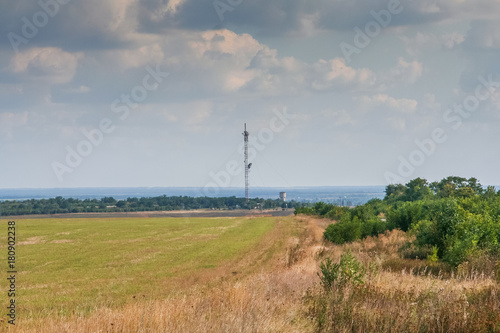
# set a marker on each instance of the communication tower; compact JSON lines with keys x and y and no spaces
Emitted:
{"x":247,"y":166}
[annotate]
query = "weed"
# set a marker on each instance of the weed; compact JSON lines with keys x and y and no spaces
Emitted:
{"x":348,"y":271}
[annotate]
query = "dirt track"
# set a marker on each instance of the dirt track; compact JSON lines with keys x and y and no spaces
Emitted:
{"x":174,"y":213}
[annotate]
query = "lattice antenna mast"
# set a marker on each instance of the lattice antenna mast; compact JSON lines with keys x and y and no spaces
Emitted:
{"x":247,"y":166}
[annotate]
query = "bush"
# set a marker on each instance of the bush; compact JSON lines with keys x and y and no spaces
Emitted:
{"x":344,"y":231}
{"x":337,"y":212}
{"x":405,"y":215}
{"x":348,"y":272}
{"x":411,"y":251}
{"x":426,"y":233}
{"x":304,"y":210}
{"x":373,"y":227}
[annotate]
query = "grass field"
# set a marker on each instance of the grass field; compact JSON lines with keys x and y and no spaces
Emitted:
{"x":232,"y":275}
{"x":72,"y":266}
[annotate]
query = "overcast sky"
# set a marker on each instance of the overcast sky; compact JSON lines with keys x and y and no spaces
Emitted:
{"x":111,"y":93}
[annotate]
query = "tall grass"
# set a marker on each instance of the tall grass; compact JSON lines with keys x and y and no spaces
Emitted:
{"x":404,"y":295}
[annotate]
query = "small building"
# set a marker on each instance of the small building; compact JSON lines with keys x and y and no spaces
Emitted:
{"x":283,"y":196}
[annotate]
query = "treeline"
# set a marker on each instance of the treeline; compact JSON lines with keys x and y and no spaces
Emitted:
{"x":454,"y":220}
{"x":60,"y":205}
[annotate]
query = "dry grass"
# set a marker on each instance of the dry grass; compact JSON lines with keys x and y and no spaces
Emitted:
{"x":403,"y":295}
{"x":264,"y":303}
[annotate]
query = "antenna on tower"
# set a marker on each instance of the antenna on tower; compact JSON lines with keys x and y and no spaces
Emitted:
{"x":247,"y":166}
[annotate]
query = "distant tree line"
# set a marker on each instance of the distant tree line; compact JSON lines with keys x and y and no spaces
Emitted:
{"x":60,"y":205}
{"x":455,"y":219}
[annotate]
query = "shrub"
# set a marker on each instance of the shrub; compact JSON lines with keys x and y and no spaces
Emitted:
{"x":337,"y":212}
{"x":348,"y":272}
{"x":405,"y":215}
{"x":425,"y":232}
{"x":344,"y":232}
{"x":433,"y":257}
{"x":411,"y":251}
{"x":373,"y":227}
{"x":304,"y":210}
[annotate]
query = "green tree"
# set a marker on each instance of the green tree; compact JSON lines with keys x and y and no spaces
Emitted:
{"x":417,"y":189}
{"x":394,"y":192}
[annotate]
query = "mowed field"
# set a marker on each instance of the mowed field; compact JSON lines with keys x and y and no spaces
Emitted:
{"x":72,"y":269}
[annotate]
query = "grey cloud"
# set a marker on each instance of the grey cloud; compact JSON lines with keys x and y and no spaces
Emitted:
{"x":92,"y":24}
{"x":113,"y":24}
{"x":285,"y":16}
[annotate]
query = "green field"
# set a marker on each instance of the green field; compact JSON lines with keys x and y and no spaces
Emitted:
{"x":70,"y":266}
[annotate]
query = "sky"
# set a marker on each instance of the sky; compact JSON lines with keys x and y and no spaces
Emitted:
{"x":126,"y":93}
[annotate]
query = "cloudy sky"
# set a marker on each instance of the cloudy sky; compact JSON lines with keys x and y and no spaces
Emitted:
{"x":113,"y":93}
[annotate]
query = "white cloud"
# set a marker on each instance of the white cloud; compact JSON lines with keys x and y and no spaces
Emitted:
{"x":237,"y":79}
{"x":430,"y":8}
{"x":484,"y":35}
{"x":407,"y":72}
{"x":225,"y":41}
{"x":335,"y":74}
{"x":397,"y":123}
{"x":403,"y":105}
{"x":338,"y":117}
{"x":423,"y":42}
{"x":222,"y":61}
{"x":453,"y":39}
{"x":429,"y":101}
{"x":9,"y":121}
{"x":79,"y":90}
{"x":201,"y":111}
{"x":133,"y":57}
{"x":48,"y":64}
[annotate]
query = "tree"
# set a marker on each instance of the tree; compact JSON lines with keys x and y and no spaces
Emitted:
{"x":394,"y":192}
{"x":417,"y":189}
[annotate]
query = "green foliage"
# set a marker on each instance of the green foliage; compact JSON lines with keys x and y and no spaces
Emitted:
{"x":322,"y":208}
{"x":473,"y":233}
{"x":421,"y":189}
{"x":373,"y":227}
{"x":405,"y":214}
{"x":349,"y":271}
{"x":425,"y":232}
{"x":453,"y":219}
{"x":434,"y":256}
{"x":378,"y":206}
{"x":394,"y":193}
{"x":355,"y":223}
{"x":457,"y":187}
{"x":305,"y":211}
{"x":417,"y":189}
{"x":455,"y":232}
{"x":344,"y":231}
{"x":336,"y":212}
